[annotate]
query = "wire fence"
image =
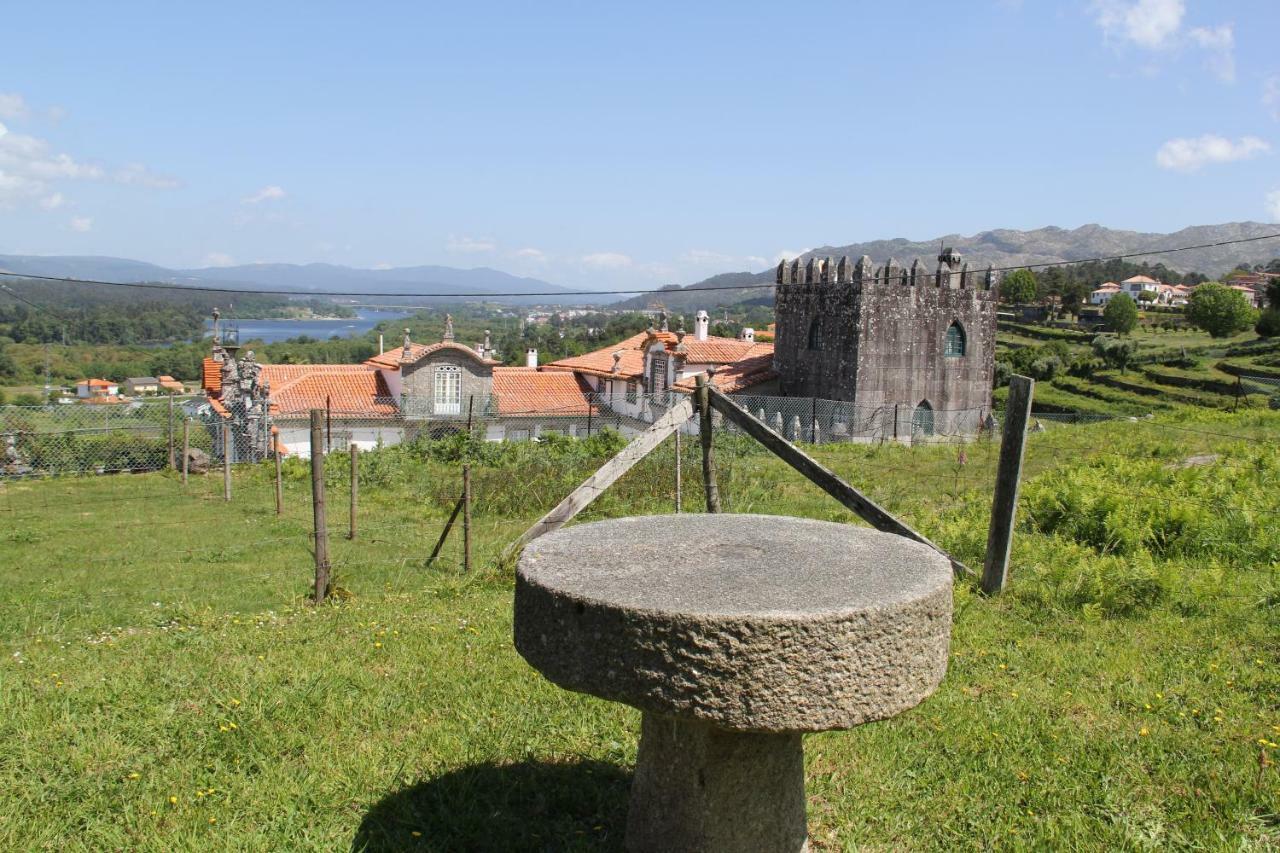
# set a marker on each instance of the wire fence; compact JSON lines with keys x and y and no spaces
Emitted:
{"x":105,"y":549}
{"x":151,"y":435}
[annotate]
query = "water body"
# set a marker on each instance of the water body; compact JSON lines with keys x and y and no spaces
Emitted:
{"x":270,"y":331}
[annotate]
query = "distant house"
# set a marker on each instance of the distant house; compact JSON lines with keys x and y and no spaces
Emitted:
{"x":1103,"y":294}
{"x":1255,"y":296}
{"x":136,"y":385}
{"x":97,"y":390}
{"x":168,"y":383}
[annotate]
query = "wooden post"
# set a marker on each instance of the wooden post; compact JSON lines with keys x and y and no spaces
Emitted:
{"x":317,"y":506}
{"x":172,"y":462}
{"x":471,"y":402}
{"x":355,"y":487}
{"x":708,"y":455}
{"x":275,"y":452}
{"x":186,"y":448}
{"x":227,"y":449}
{"x":1004,"y":506}
{"x":328,"y":423}
{"x":444,"y":534}
{"x":813,"y":422}
{"x":679,"y":484}
{"x":466,"y":518}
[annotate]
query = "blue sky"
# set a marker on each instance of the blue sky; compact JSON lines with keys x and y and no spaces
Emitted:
{"x":607,"y":145}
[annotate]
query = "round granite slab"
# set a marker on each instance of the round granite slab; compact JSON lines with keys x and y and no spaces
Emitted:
{"x":747,"y":622}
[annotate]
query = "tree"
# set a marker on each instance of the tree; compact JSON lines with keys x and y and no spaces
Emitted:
{"x":1121,"y":314}
{"x":1268,"y":325}
{"x":1219,"y":310}
{"x":1114,"y":351}
{"x":1019,"y":286}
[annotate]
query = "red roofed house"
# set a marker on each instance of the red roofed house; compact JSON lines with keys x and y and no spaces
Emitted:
{"x":637,"y":377}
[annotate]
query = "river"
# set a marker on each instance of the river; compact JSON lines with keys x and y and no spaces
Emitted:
{"x":270,"y":331}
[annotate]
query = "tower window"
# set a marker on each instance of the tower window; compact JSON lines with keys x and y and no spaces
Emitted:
{"x":954,"y":347}
{"x":815,"y":334}
{"x":922,"y":419}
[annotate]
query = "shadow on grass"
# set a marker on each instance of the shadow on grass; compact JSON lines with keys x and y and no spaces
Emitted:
{"x":527,"y":806}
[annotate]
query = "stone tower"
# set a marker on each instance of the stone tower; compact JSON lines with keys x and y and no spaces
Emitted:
{"x":912,"y":350}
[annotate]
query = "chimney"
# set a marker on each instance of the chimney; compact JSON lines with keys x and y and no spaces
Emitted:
{"x":407,"y":351}
{"x":617,"y":362}
{"x":701,"y":323}
{"x":381,"y":349}
{"x":531,"y":357}
{"x":747,"y":334}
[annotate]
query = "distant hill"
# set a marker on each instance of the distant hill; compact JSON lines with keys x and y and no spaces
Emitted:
{"x":1004,"y":247}
{"x":311,"y":278}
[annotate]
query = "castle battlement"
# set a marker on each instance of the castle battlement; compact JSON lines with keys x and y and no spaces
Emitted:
{"x":951,"y":272}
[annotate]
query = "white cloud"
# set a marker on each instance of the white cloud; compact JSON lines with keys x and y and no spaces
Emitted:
{"x":531,"y":254}
{"x":1189,"y":155}
{"x":1271,"y":95}
{"x":607,"y":260}
{"x":382,"y":265}
{"x":267,"y":193}
{"x":53,"y":201}
{"x":81,"y":223}
{"x":1147,"y":23}
{"x":136,"y":173}
{"x":1273,"y":205}
{"x":757,"y":261}
{"x":3,"y":130}
{"x":787,"y":255}
{"x":470,"y":245}
{"x":12,"y":106}
{"x":1220,"y":42}
{"x":219,"y":259}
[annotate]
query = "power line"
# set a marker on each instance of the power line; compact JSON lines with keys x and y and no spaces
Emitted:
{"x":566,"y":293}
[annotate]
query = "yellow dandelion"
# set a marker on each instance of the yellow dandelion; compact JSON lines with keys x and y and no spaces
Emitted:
{"x":233,"y":725}
{"x":133,"y":775}
{"x":1159,"y":695}
{"x":199,"y":793}
{"x":235,"y":701}
{"x":262,"y":657}
{"x":222,"y":728}
{"x":213,"y":820}
{"x":59,"y":684}
{"x":416,"y":834}
{"x":377,"y":645}
{"x":1144,"y":731}
{"x":1147,"y":706}
{"x":1003,"y":666}
{"x":173,"y":801}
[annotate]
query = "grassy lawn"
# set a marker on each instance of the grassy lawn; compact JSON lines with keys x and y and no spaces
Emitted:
{"x":164,"y":685}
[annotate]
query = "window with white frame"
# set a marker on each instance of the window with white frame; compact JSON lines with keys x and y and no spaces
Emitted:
{"x":448,"y":390}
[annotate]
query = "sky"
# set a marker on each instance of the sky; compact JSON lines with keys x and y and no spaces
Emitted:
{"x":609,"y":145}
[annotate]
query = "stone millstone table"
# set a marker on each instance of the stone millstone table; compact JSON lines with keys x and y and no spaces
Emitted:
{"x":734,"y":634}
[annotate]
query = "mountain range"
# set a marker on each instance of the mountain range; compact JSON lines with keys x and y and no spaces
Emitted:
{"x":1000,"y":247}
{"x":1004,"y":248}
{"x":309,"y":278}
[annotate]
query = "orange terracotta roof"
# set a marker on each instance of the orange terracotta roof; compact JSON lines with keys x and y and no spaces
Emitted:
{"x":529,"y":391}
{"x":211,"y":377}
{"x":718,"y":350}
{"x":600,"y":362}
{"x":356,"y":389}
{"x":97,"y":383}
{"x":740,"y":375}
{"x":216,"y":405}
{"x":392,"y":359}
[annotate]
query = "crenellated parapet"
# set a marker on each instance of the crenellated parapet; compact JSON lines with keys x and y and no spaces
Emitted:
{"x":952,"y":272}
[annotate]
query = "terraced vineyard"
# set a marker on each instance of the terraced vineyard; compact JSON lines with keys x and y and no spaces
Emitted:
{"x":1170,"y":370}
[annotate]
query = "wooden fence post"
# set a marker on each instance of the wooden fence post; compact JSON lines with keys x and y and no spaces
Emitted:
{"x":708,"y":455}
{"x":1004,"y":506}
{"x":466,"y":518}
{"x":186,"y":448}
{"x":355,"y":487}
{"x":679,"y":485}
{"x":444,"y":534}
{"x":328,"y":423}
{"x":227,"y":449}
{"x":317,"y":505}
{"x":172,"y":462}
{"x":275,"y":452}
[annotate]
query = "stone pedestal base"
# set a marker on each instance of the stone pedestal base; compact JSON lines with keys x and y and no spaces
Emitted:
{"x":700,"y":788}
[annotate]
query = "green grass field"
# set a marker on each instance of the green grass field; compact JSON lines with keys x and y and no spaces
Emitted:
{"x":165,"y":686}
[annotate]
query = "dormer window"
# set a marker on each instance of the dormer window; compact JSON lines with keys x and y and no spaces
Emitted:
{"x":954,"y":345}
{"x":448,"y":390}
